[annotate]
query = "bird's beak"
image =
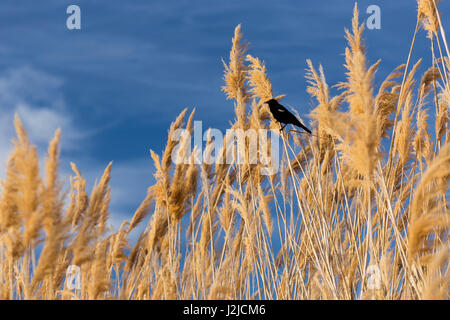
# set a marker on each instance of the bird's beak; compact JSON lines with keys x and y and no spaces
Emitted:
{"x":267,"y":101}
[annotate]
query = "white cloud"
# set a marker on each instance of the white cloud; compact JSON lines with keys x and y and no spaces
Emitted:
{"x":37,"y":98}
{"x":42,"y":123}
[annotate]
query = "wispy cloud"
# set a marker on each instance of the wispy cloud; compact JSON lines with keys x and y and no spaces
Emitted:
{"x":36,"y":97}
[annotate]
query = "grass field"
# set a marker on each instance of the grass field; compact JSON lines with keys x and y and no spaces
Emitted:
{"x":358,"y":210}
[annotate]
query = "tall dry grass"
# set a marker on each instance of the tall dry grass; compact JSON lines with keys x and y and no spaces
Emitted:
{"x":368,"y":191}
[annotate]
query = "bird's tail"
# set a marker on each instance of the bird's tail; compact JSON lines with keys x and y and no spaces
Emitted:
{"x":300,"y":125}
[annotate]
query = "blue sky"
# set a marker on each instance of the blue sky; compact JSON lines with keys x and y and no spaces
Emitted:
{"x":115,"y":86}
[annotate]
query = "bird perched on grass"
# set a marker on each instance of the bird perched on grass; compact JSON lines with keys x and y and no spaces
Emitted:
{"x":284,"y":116}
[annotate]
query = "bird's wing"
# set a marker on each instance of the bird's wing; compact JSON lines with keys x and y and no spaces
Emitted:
{"x":280,"y":108}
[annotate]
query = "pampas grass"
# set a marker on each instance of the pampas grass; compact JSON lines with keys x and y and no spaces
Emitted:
{"x":368,"y":191}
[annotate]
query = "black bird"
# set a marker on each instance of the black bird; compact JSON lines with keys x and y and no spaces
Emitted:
{"x":283,"y":115}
